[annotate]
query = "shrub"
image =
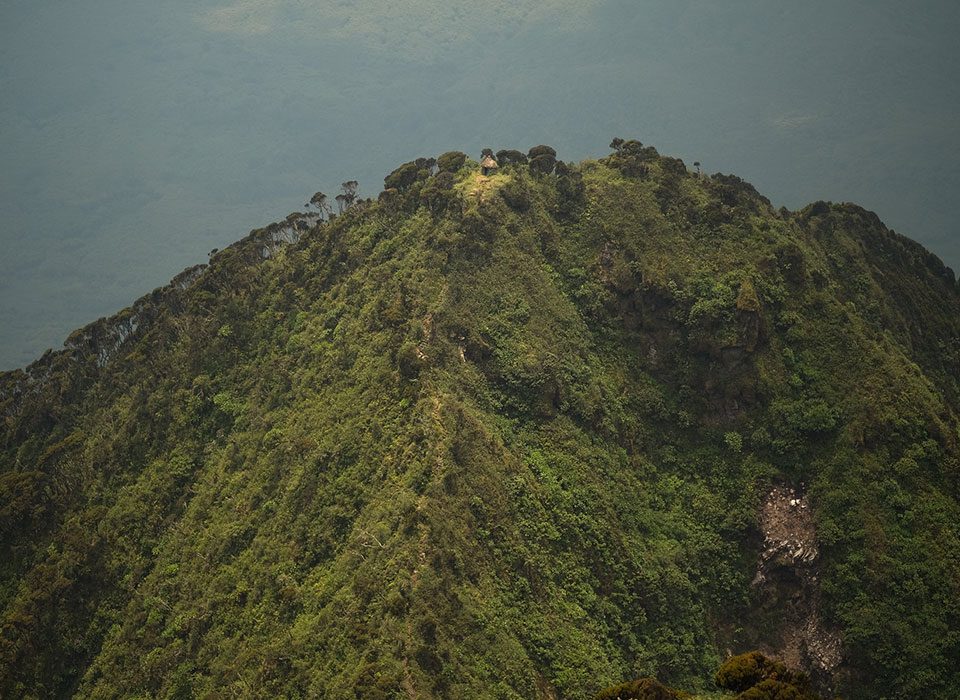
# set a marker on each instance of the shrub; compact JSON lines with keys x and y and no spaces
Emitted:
{"x":631,"y":157}
{"x":510,"y":157}
{"x":738,"y":673}
{"x":401,"y":178}
{"x":438,"y":192}
{"x":673,"y":166}
{"x":792,"y":262}
{"x":771,"y":689}
{"x":571,"y":189}
{"x":543,"y":159}
{"x":516,"y":194}
{"x":756,"y":677}
{"x":806,"y":416}
{"x":747,"y":299}
{"x":409,"y":360}
{"x":640,"y":689}
{"x":451,"y":161}
{"x":541,"y":150}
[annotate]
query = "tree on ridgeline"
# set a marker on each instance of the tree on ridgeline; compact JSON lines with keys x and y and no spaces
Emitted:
{"x":543,"y":159}
{"x":349,"y":191}
{"x":451,"y":161}
{"x":511,"y":157}
{"x":319,"y":202}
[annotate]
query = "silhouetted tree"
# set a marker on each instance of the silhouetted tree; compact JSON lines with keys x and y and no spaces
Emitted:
{"x":673,"y":166}
{"x":349,"y":189}
{"x":543,"y":159}
{"x":631,"y":157}
{"x":428,"y":165}
{"x":510,"y":157}
{"x":451,"y":161}
{"x":319,"y":201}
{"x":402,"y":177}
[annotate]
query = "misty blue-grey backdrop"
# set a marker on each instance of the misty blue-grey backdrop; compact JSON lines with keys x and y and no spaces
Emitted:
{"x":135,"y":136}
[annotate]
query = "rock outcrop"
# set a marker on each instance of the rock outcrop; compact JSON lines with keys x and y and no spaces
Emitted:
{"x":788,"y":580}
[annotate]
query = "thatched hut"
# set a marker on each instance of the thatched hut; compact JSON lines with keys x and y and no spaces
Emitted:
{"x":488,"y":164}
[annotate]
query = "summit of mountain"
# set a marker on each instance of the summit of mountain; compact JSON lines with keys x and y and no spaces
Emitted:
{"x":521,"y":436}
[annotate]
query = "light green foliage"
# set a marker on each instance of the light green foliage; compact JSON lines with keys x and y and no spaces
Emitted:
{"x":733,"y":440}
{"x":497,"y":443}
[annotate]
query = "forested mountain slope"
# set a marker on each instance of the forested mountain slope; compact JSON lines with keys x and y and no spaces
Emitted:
{"x":523,"y":436}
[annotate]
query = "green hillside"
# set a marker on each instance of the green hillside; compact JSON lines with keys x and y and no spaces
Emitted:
{"x":526,"y":436}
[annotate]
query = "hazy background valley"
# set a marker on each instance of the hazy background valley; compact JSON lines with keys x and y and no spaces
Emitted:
{"x":136,"y":137}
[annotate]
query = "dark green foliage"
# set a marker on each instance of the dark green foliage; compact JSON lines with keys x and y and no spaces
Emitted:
{"x":541,"y":150}
{"x":752,"y":676}
{"x":319,"y":200}
{"x":348,"y":193}
{"x":641,"y":689}
{"x":409,"y":360}
{"x":428,"y":164}
{"x":734,"y":192}
{"x":542,"y":159}
{"x":672,"y":167}
{"x":451,"y":161}
{"x":492,"y":437}
{"x":516,"y":194}
{"x":570,"y":191}
{"x":511,"y":157}
{"x":411,"y":185}
{"x":738,"y":673}
{"x":403,"y":177}
{"x":771,"y":689}
{"x":755,"y":677}
{"x":437,"y":193}
{"x":389,"y":198}
{"x":631,"y":157}
{"x":792,"y":263}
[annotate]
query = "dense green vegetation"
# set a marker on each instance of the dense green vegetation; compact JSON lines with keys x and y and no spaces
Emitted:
{"x":755,"y":677}
{"x":491,"y":437}
{"x":640,"y":689}
{"x":748,"y":676}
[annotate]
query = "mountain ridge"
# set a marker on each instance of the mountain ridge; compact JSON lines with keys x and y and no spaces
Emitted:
{"x":506,"y":445}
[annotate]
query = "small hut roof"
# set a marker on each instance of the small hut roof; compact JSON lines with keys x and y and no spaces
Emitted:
{"x":488,"y":162}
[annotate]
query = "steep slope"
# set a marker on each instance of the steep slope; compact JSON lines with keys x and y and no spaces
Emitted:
{"x":520,"y":439}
